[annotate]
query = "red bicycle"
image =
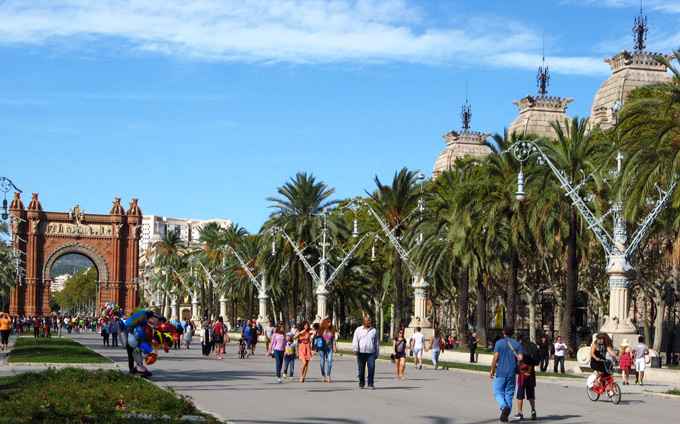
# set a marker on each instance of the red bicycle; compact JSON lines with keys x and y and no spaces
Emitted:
{"x":606,"y":385}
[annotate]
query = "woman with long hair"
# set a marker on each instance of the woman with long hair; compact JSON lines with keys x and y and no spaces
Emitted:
{"x":277,"y":346}
{"x":399,"y":352}
{"x":327,"y":347}
{"x":626,"y":361}
{"x":436,"y":347}
{"x":598,"y":354}
{"x":303,"y":337}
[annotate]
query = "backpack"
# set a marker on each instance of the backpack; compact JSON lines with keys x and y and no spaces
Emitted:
{"x":530,"y":353}
{"x":320,"y":343}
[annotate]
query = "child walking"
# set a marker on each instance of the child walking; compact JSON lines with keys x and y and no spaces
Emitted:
{"x":289,"y":357}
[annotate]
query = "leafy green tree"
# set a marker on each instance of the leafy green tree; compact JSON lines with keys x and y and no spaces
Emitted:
{"x":79,"y":293}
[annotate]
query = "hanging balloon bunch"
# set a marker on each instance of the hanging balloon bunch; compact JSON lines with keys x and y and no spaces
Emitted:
{"x":111,"y":310}
{"x":146,"y":333}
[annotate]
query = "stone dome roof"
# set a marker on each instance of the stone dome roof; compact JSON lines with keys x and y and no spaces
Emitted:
{"x":35,"y":204}
{"x":458,"y":145}
{"x":536,"y":115}
{"x":16,"y":202}
{"x":134,"y":209}
{"x":629,"y":71}
{"x":117,"y":208}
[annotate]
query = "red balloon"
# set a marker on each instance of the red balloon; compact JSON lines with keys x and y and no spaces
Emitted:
{"x":150,"y":358}
{"x":165,"y":327}
{"x":148,"y":331}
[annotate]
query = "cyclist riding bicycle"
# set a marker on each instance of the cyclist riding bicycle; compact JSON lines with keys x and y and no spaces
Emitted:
{"x":598,"y":355}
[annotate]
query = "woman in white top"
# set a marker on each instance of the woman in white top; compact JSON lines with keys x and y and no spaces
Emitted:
{"x":188,"y":333}
{"x":435,"y":347}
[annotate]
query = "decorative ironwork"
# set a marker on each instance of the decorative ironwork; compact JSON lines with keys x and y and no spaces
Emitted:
{"x":466,"y":114}
{"x":640,"y":30}
{"x":543,"y":77}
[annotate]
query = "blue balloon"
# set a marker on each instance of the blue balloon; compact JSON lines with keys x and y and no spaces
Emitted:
{"x":132,"y":340}
{"x":146,"y":348}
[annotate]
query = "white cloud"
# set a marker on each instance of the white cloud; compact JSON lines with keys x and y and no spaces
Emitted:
{"x":265,"y":31}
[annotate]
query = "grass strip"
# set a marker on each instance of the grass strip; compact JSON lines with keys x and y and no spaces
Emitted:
{"x":79,"y":396}
{"x":470,"y":367}
{"x":675,"y":392}
{"x":53,"y":351}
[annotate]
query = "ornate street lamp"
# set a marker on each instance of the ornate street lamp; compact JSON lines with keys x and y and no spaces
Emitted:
{"x":6,"y":185}
{"x":615,"y":244}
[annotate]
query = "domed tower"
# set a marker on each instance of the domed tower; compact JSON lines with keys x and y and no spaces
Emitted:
{"x":460,"y":144}
{"x":629,"y":71}
{"x":536,"y":114}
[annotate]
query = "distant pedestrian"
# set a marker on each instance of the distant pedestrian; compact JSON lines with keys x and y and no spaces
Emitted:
{"x":105,"y":331}
{"x":179,"y":329}
{"x":219,"y":330}
{"x":639,"y":352}
{"x":277,"y":348}
{"x":526,"y":384}
{"x":366,"y":346}
{"x":399,"y":354}
{"x":36,"y":327}
{"x":206,"y":339}
{"x":254,"y":335}
{"x":289,"y":356}
{"x":436,"y":346}
{"x":188,"y":335}
{"x":303,"y":338}
{"x":560,"y":352}
{"x":5,"y":326}
{"x":418,"y":346}
{"x":626,"y":360}
{"x":113,"y":330}
{"x":472,"y":344}
{"x":327,"y":347}
{"x":246,"y":331}
{"x":268,"y":333}
{"x":506,"y":353}
{"x":544,"y":352}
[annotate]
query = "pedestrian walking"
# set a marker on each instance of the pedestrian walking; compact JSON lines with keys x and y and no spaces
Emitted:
{"x":268,"y":333}
{"x":626,"y":360}
{"x":254,"y":335}
{"x":219,"y":331}
{"x":436,"y":346}
{"x":246,"y":331}
{"x":5,"y":326}
{"x":544,"y":352}
{"x":418,"y":346}
{"x":180,"y":330}
{"x":325,"y":342}
{"x":506,"y":353}
{"x":277,"y":348}
{"x":399,"y":354}
{"x":303,"y":338}
{"x":289,"y":356}
{"x":472,"y":344}
{"x":104,"y":331}
{"x":206,"y":339}
{"x":639,"y":352}
{"x":366,"y":346}
{"x":526,"y":384}
{"x":560,"y":352}
{"x":113,"y":330}
{"x":188,"y":335}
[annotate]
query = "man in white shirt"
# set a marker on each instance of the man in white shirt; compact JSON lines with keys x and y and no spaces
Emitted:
{"x":639,"y":352}
{"x":560,"y":351}
{"x":417,"y":345}
{"x":366,"y":346}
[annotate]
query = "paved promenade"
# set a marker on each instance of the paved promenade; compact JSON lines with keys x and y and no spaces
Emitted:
{"x":244,"y":391}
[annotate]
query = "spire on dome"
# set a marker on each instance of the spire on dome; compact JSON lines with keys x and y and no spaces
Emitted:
{"x":640,"y":30}
{"x":466,"y":114}
{"x":543,"y":77}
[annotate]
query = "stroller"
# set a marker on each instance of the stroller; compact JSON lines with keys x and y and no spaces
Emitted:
{"x":242,"y":348}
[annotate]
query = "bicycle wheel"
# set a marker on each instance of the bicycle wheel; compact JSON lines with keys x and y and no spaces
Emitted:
{"x":616,"y":393}
{"x":592,"y":394}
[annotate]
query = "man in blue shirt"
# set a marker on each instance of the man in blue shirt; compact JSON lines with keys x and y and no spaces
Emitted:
{"x":506,"y":353}
{"x":245,"y":333}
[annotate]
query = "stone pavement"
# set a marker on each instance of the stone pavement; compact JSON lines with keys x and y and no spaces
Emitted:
{"x":245,"y":391}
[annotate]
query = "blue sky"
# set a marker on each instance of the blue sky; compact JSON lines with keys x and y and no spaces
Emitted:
{"x":202,"y":109}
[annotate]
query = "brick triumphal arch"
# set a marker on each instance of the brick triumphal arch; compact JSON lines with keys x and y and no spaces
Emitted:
{"x":110,"y":241}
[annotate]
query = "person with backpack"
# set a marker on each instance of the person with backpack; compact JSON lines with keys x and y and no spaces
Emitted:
{"x":179,"y":329}
{"x":325,"y":342}
{"x":526,"y":379}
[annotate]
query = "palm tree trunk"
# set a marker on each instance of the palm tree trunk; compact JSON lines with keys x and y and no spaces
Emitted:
{"x":480,"y":323}
{"x":463,"y":301}
{"x":296,"y":274}
{"x":249,"y":311}
{"x":400,"y":292}
{"x":511,"y":304}
{"x":567,"y":328}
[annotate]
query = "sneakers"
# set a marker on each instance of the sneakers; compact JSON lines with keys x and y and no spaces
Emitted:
{"x":284,"y":375}
{"x":505,"y":414}
{"x":420,"y":366}
{"x":371,"y":387}
{"x":278,"y":380}
{"x":533,"y":415}
{"x":361,"y":387}
{"x":519,"y":415}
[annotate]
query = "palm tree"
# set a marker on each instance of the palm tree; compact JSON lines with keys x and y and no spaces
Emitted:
{"x":395,"y":203}
{"x":575,"y":152}
{"x":301,"y":202}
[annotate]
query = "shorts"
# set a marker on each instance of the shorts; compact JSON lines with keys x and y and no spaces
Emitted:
{"x":530,"y":392}
{"x":597,"y":365}
{"x":400,"y":355}
{"x":640,"y":364}
{"x":418,"y":353}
